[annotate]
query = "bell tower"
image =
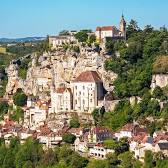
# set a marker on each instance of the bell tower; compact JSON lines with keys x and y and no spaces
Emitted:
{"x":123,"y":26}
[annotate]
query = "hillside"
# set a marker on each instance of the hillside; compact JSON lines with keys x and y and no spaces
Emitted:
{"x":25,"y":39}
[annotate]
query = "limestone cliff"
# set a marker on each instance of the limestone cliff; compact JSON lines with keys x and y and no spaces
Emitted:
{"x":160,"y":80}
{"x":55,"y":68}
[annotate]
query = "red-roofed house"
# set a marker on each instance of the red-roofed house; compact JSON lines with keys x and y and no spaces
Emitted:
{"x":129,"y":130}
{"x":139,"y":143}
{"x":87,"y":90}
{"x":111,"y":31}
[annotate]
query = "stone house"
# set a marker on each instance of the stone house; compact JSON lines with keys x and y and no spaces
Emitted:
{"x":61,"y":100}
{"x":99,"y":151}
{"x":140,"y":143}
{"x":56,"y":41}
{"x":87,"y":91}
{"x":129,"y":130}
{"x":37,"y":115}
{"x":98,"y":134}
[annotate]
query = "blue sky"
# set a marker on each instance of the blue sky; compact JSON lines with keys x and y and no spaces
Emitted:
{"x":22,"y":18}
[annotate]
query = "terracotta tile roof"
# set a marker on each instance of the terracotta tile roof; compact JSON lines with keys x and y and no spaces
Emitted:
{"x":88,"y":76}
{"x":61,"y":90}
{"x":45,"y":131}
{"x":106,"y":28}
{"x":141,"y":138}
{"x":98,"y":130}
{"x":75,"y":130}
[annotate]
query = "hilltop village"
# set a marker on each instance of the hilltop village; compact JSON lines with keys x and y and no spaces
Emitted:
{"x":68,"y":90}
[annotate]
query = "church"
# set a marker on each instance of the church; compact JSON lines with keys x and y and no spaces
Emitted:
{"x":111,"y":32}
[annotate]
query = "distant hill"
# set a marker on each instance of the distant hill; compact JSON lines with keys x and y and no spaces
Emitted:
{"x":25,"y":39}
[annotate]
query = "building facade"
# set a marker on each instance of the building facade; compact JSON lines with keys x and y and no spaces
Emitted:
{"x":56,"y":41}
{"x":61,"y":100}
{"x":87,"y":90}
{"x":111,"y":32}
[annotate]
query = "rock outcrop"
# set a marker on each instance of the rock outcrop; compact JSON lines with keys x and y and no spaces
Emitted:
{"x":160,"y":80}
{"x":55,"y":68}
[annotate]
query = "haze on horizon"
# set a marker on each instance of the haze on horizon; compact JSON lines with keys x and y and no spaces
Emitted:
{"x":26,"y":18}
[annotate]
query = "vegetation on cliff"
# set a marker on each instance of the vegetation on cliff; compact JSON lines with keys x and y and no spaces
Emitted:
{"x":137,"y":56}
{"x":145,"y":52}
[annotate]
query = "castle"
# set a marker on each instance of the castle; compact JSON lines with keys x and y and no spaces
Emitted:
{"x":111,"y":32}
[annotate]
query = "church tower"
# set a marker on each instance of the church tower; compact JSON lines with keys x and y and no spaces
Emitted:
{"x":123,"y":26}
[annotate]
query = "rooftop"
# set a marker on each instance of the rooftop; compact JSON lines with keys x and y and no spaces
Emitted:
{"x":88,"y":76}
{"x":163,"y":146}
{"x":61,"y":90}
{"x":106,"y":28}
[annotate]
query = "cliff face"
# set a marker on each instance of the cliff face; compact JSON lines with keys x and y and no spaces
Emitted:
{"x":160,"y":80}
{"x":55,"y":68}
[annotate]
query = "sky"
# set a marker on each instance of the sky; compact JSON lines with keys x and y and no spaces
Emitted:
{"x":27,"y":18}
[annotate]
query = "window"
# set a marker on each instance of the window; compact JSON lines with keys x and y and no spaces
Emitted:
{"x":83,"y":101}
{"x":75,"y":87}
{"x":80,"y":93}
{"x":91,"y":100}
{"x":83,"y":87}
{"x":75,"y":101}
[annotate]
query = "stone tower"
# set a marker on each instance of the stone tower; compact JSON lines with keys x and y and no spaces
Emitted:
{"x":123,"y":26}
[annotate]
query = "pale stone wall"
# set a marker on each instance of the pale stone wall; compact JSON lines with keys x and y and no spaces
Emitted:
{"x":61,"y":102}
{"x":160,"y":80}
{"x":84,"y":96}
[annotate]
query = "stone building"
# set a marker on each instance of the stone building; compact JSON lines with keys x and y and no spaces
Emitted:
{"x":61,"y":100}
{"x":83,"y":94}
{"x":55,"y":41}
{"x":111,"y":32}
{"x":87,"y":90}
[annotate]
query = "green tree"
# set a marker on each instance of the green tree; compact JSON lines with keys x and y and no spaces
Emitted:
{"x":3,"y":152}
{"x":148,"y":161}
{"x":30,"y":151}
{"x":74,"y":122}
{"x":98,"y":164}
{"x":18,"y":114}
{"x":92,"y":39}
{"x":82,"y":36}
{"x":9,"y":159}
{"x":110,"y":47}
{"x":162,"y":163}
{"x":76,"y":161}
{"x":28,"y":164}
{"x":157,"y":92}
{"x":127,"y":160}
{"x":133,"y":52}
{"x":19,"y":98}
{"x":68,"y":138}
{"x":112,"y":159}
{"x":64,"y":33}
{"x":49,"y":158}
{"x":132,"y":27}
{"x":3,"y":107}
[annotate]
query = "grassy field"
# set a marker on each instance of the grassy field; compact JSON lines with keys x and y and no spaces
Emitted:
{"x":3,"y":50}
